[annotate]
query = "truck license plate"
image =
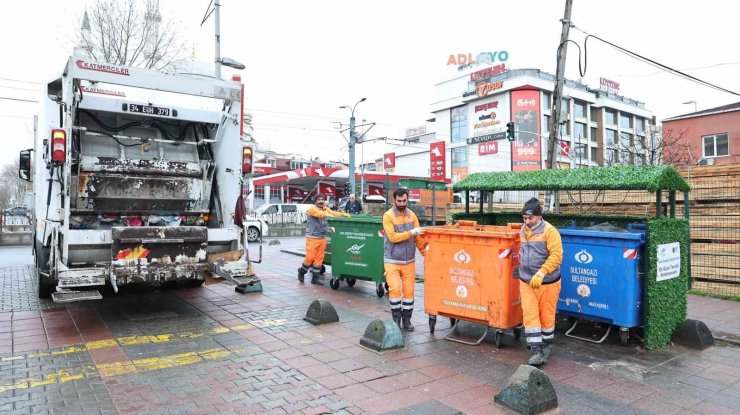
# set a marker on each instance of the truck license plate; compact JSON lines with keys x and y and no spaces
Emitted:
{"x":149,"y":110}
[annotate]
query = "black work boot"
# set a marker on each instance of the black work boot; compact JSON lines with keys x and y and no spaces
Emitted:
{"x":546,"y":350}
{"x":536,"y":357}
{"x":406,"y":320}
{"x":317,"y":278}
{"x":302,"y":273}
{"x":396,"y":313}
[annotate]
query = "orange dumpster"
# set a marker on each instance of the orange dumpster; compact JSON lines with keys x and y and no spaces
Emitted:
{"x":469,"y":275}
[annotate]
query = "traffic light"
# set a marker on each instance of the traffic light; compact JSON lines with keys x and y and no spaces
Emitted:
{"x":247,"y":156}
{"x":346,"y":188}
{"x":510,"y":130}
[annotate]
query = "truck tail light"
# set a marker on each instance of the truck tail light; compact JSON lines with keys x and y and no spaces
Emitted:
{"x":58,"y":145}
{"x":247,"y":155}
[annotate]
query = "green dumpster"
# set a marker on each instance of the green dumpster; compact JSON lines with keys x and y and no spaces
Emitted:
{"x":357,"y":251}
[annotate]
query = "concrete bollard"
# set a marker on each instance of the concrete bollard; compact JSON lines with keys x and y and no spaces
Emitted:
{"x":694,"y":334}
{"x":382,"y":335}
{"x":321,"y":312}
{"x":528,"y":392}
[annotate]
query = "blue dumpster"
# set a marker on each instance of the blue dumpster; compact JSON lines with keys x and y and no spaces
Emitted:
{"x":601,"y":279}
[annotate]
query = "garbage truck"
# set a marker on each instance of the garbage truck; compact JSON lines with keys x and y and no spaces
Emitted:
{"x":137,"y":178}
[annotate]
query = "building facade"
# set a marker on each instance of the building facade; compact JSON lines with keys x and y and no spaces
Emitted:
{"x":710,"y":136}
{"x":471,"y":112}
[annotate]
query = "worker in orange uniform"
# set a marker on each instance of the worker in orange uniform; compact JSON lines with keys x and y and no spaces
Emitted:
{"x":539,"y":272}
{"x":317,"y":228}
{"x":402,"y":231}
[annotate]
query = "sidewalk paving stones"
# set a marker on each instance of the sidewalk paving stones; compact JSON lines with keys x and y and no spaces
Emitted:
{"x":211,"y":350}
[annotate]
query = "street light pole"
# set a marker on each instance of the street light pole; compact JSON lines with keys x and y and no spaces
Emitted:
{"x":691,"y":102}
{"x":352,"y":142}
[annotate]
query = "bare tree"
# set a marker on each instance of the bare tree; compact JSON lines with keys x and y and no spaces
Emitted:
{"x":13,"y":189}
{"x":659,"y":146}
{"x":121,"y":32}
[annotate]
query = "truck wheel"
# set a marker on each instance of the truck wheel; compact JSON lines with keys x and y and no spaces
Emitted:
{"x":253,"y":234}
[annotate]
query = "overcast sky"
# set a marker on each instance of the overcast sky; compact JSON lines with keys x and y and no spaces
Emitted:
{"x":306,"y":58}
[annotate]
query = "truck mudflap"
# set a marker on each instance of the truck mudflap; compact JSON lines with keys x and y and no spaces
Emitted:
{"x":158,"y":254}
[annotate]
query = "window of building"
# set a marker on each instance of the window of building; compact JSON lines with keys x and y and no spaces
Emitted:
{"x":594,"y":154}
{"x":640,"y":125}
{"x":547,"y":100}
{"x":580,"y":130}
{"x":593,"y":114}
{"x":593,"y":134}
{"x":625,"y":139}
{"x":580,"y":153}
{"x":459,"y":124}
{"x":625,"y":120}
{"x":295,"y":165}
{"x":610,"y":156}
{"x":611,"y":117}
{"x":546,"y":125}
{"x":716,"y":145}
{"x":625,"y":157}
{"x":610,"y":140}
{"x":459,"y":157}
{"x":579,"y":109}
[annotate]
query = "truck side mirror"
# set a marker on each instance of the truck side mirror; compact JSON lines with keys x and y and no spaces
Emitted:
{"x":24,"y":165}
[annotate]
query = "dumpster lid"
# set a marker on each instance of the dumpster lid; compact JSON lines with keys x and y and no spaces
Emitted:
{"x":639,"y":236}
{"x":358,"y":219}
{"x":471,"y":228}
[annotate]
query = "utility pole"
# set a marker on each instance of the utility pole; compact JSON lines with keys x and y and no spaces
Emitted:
{"x":559,"y":81}
{"x":352,"y":142}
{"x":352,"y":138}
{"x":217,"y":17}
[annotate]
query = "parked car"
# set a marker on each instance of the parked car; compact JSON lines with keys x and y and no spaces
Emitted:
{"x":255,"y":229}
{"x":16,"y":211}
{"x":282,"y":213}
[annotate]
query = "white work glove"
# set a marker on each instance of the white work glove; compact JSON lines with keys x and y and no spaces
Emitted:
{"x":417,"y":231}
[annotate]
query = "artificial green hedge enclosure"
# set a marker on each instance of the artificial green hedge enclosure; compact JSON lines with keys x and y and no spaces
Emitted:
{"x":664,"y":301}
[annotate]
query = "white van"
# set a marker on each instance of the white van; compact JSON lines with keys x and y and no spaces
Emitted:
{"x":282,"y":213}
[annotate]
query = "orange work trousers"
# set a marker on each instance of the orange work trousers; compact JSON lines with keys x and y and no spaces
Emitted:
{"x":539,"y":306}
{"x":401,"y":279}
{"x":315,"y":249}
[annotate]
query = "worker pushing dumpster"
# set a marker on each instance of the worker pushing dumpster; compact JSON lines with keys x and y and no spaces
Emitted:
{"x":468,"y":275}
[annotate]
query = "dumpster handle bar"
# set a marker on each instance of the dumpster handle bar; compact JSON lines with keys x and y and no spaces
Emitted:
{"x":567,"y":333}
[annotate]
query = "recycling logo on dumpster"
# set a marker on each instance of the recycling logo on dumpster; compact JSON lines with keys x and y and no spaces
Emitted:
{"x":355,"y":249}
{"x":584,"y":257}
{"x":461,"y":291}
{"x":462,"y":257}
{"x":583,"y":290}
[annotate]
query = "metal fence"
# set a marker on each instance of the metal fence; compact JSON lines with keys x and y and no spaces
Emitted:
{"x":281,"y":219}
{"x":10,"y":223}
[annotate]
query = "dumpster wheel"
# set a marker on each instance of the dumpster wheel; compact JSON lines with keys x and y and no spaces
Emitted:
{"x":499,"y":338}
{"x":517,"y":333}
{"x":432,"y":323}
{"x":334,"y":283}
{"x":351,"y":281}
{"x":624,"y":336}
{"x":379,"y":289}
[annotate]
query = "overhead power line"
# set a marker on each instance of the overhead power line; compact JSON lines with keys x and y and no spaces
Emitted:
{"x":657,"y":64}
{"x":20,"y":99}
{"x":20,"y":80}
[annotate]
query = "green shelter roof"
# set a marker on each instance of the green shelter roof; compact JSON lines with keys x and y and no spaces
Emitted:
{"x":645,"y":177}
